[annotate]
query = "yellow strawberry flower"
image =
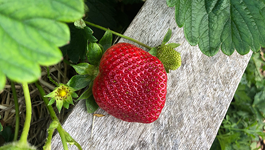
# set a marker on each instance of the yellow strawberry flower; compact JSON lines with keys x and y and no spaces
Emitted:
{"x":63,"y":95}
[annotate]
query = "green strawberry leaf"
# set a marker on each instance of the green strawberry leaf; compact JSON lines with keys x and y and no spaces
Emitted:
{"x":171,"y":3}
{"x":2,"y":81}
{"x":91,"y":104}
{"x":77,"y":47}
{"x":153,"y":51}
{"x":84,"y":69}
{"x":79,"y":81}
{"x":221,"y":23}
{"x":86,"y":94}
{"x":94,"y":53}
{"x":30,"y":33}
{"x":88,"y":34}
{"x":106,"y":40}
{"x":167,"y":37}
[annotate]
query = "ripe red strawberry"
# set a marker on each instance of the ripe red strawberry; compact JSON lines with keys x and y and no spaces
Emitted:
{"x":131,"y":84}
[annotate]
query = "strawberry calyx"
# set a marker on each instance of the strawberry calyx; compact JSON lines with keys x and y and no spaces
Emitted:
{"x":167,"y":54}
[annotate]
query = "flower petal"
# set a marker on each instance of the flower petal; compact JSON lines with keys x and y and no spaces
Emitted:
{"x":66,"y":105}
{"x":51,"y":101}
{"x":59,"y":105}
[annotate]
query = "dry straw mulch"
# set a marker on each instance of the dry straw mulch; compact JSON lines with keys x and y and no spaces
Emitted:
{"x":40,"y":116}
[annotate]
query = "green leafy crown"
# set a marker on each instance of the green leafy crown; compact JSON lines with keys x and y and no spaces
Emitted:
{"x":170,"y":58}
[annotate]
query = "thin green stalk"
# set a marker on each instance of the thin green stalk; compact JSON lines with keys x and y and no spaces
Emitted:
{"x":51,"y":130}
{"x":50,"y":78}
{"x":66,"y":61}
{"x":118,"y":34}
{"x":62,"y":135}
{"x":24,"y":135}
{"x":49,"y":138}
{"x":53,"y":115}
{"x":16,"y":108}
{"x":46,"y":101}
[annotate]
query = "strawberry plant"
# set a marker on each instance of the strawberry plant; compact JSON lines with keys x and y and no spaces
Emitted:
{"x":29,"y":56}
{"x":31,"y":32}
{"x":124,"y":80}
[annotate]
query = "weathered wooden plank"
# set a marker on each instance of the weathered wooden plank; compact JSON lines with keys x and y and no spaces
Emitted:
{"x":199,"y":94}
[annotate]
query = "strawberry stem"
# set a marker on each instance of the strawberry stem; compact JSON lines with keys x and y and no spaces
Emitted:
{"x":48,"y":74}
{"x":16,"y":108}
{"x":24,"y":134}
{"x":118,"y":34}
{"x":53,"y":115}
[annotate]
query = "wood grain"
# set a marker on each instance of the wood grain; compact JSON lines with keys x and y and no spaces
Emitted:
{"x":199,"y":94}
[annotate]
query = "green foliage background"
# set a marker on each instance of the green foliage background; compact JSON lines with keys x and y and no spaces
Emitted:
{"x":244,"y":121}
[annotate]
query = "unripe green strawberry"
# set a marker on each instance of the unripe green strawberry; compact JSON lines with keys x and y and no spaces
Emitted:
{"x":131,"y":84}
{"x":169,"y":57}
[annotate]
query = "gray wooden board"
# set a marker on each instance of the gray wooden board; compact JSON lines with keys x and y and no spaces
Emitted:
{"x":199,"y":94}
